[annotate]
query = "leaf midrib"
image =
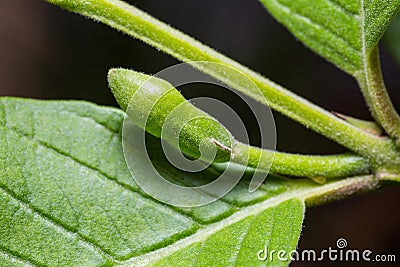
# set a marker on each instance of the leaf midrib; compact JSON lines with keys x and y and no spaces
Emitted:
{"x":363,"y":41}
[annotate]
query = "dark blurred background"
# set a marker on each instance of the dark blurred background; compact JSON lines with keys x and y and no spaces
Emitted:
{"x":48,"y":53}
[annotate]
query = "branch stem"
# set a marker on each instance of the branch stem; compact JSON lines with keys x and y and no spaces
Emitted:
{"x":140,"y":25}
{"x":377,"y":98}
{"x":330,"y":166}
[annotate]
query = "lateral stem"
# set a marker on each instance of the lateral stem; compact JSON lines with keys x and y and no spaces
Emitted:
{"x":329,"y":166}
{"x":377,"y":98}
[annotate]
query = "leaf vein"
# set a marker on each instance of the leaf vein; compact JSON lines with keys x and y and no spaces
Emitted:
{"x":54,"y":222}
{"x":92,"y":119}
{"x":333,"y":51}
{"x":316,"y":24}
{"x":17,"y":256}
{"x":343,"y":8}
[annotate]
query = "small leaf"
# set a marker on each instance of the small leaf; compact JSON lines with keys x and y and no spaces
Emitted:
{"x":68,"y":199}
{"x":342,"y":31}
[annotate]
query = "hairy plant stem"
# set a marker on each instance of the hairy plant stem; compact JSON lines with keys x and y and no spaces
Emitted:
{"x":299,"y":165}
{"x":376,"y":96}
{"x":139,"y":24}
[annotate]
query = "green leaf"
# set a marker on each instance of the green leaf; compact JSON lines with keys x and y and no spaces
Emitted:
{"x":67,"y":197}
{"x":342,"y":31}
